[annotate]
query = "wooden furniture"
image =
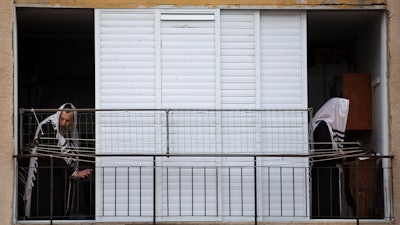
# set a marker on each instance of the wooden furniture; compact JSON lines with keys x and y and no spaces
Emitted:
{"x":362,"y":186}
{"x":357,"y":88}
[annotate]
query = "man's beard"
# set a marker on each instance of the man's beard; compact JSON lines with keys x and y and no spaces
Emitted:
{"x":64,"y":131}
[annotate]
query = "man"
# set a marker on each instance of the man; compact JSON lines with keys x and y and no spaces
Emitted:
{"x":328,"y":127}
{"x":52,"y":177}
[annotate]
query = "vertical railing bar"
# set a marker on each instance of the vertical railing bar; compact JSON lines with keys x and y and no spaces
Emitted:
{"x":281,"y":192}
{"x":38,"y":190}
{"x":21,"y":131}
{"x":391,"y":187}
{"x":331,"y":190}
{"x":357,"y":198}
{"x":154,"y":189}
{"x":269,"y":191}
{"x":216,"y":188}
{"x":205,"y":191}
{"x":307,"y":179}
{"x":51,"y":188}
{"x":115,"y":189}
{"x":318,"y":193}
{"x":167,"y":191}
{"x":92,"y":188}
{"x":192,"y":186}
{"x":69,"y":204}
{"x":180,"y":190}
{"x":308,"y":171}
{"x":229,"y":191}
{"x":241,"y":189}
{"x":167,"y":127}
{"x":21,"y":139}
{"x":128,"y":191}
{"x":103,"y":191}
{"x":255,"y":191}
{"x":294,"y":195}
{"x":140,"y":191}
{"x":77,"y":193}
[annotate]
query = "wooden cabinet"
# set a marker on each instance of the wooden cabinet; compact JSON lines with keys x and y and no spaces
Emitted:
{"x":363,"y":186}
{"x":357,"y":88}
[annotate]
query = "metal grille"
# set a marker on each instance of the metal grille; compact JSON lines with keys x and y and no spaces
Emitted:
{"x":203,"y":131}
{"x":195,"y":165}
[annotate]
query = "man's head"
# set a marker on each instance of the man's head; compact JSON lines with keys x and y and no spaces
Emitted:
{"x":66,"y":120}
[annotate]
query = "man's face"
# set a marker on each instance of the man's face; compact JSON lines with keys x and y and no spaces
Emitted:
{"x":65,"y":121}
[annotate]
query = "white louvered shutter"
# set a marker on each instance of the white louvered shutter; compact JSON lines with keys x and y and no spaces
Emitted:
{"x":125,"y":79}
{"x":283,"y":85}
{"x":175,"y":59}
{"x":239,"y":128}
{"x":283,"y":60}
{"x":188,"y":61}
{"x":126,"y":60}
{"x":238,"y":59}
{"x":188,"y":81}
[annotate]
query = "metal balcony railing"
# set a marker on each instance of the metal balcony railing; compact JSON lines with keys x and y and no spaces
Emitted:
{"x":200,"y":165}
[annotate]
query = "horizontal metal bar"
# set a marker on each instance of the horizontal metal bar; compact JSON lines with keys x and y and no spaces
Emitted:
{"x":23,"y":110}
{"x":206,"y":155}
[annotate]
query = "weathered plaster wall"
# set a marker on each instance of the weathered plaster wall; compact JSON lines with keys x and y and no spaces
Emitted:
{"x":394,"y":97}
{"x":6,"y":111}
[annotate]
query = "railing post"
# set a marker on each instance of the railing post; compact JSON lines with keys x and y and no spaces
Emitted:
{"x":357,"y":199}
{"x":21,"y":131}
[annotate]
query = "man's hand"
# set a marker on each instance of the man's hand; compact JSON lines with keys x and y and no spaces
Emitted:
{"x":81,"y":174}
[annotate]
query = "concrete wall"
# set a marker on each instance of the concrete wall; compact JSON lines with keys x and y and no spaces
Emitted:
{"x":6,"y":80}
{"x":394,"y":97}
{"x":6,"y":111}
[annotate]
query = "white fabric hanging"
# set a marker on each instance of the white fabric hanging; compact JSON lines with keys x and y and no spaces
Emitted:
{"x":334,"y":113}
{"x":67,"y":145}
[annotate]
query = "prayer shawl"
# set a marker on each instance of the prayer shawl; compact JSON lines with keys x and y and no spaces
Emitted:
{"x":334,"y":113}
{"x":68,"y":146}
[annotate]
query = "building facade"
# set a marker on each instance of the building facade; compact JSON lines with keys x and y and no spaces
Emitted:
{"x":306,"y":43}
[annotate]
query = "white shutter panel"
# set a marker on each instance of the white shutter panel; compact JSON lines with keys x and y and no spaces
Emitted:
{"x":126,"y":60}
{"x":238,"y":59}
{"x":283,"y":60}
{"x":188,"y":81}
{"x":188,"y":61}
{"x":125,"y":78}
{"x":239,"y":128}
{"x":283,"y":82}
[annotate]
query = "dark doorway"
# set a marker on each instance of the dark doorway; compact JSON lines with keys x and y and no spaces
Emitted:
{"x":55,"y":57}
{"x":342,"y":43}
{"x":56,"y":64}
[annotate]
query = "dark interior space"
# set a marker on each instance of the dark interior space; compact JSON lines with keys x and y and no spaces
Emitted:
{"x":56,"y":64}
{"x":55,"y":57}
{"x":342,"y":44}
{"x":333,"y":48}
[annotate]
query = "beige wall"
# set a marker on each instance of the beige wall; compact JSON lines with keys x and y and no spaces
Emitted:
{"x":210,"y":3}
{"x":6,"y":111}
{"x":6,"y":90}
{"x":394,"y":97}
